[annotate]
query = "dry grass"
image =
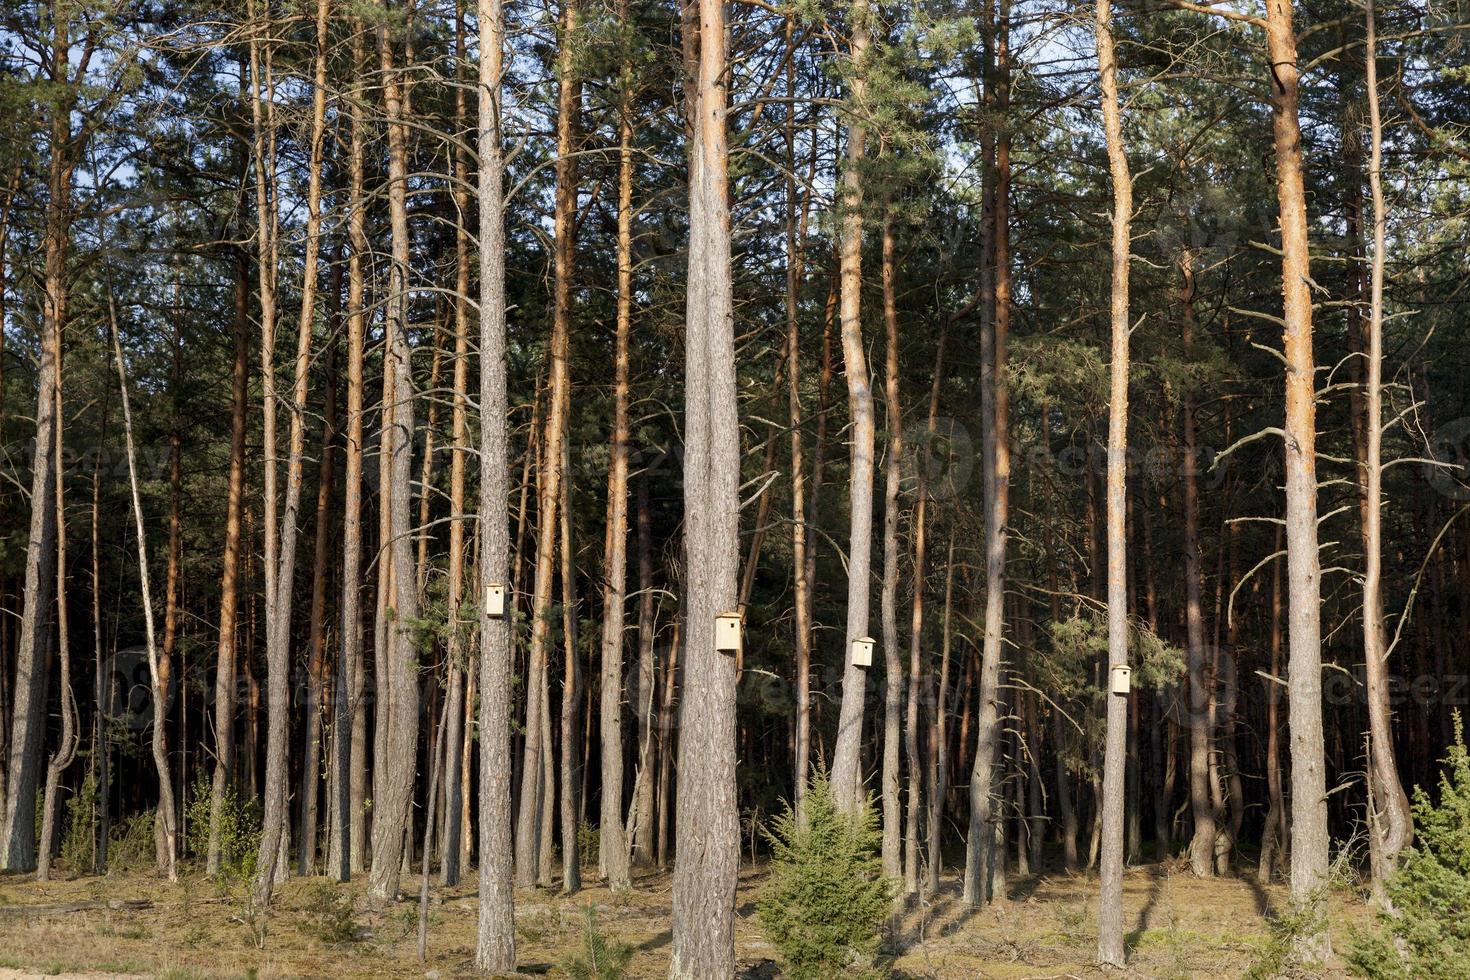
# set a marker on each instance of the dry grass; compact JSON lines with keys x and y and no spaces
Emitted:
{"x":142,"y":926}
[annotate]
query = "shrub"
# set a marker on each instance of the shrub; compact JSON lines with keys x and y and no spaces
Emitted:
{"x":827,"y":898}
{"x":599,"y":959}
{"x":1426,"y":933}
{"x":239,"y":829}
{"x":130,"y":848}
{"x":332,"y":919}
{"x":589,"y":844}
{"x":79,"y":842}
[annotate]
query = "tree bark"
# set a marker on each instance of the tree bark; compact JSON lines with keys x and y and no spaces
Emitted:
{"x":1276,"y":833}
{"x":571,"y":696}
{"x":398,"y":675}
{"x":708,"y":856}
{"x":940,"y":738}
{"x":28,"y":704}
{"x":311,"y":763}
{"x":1309,"y":834}
{"x":455,"y":746}
{"x":537,"y":786}
{"x":894,"y":865}
{"x":1201,"y":689}
{"x":847,"y":777}
{"x":1390,"y":823}
{"x":175,"y":547}
{"x":275,"y":820}
{"x":980,"y":852}
{"x":166,"y":809}
{"x":66,"y":748}
{"x":496,"y":936}
{"x":801,"y":599}
{"x":1110,"y":948}
{"x":349,"y":728}
{"x":612,"y":840}
{"x":640,"y":819}
{"x":225,"y":653}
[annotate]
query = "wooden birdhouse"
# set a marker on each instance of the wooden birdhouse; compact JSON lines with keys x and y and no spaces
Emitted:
{"x":1121,"y":678}
{"x":862,"y":651}
{"x":727,"y":633}
{"x":495,"y":600}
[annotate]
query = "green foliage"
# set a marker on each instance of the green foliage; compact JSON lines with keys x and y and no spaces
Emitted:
{"x":827,"y":896}
{"x":589,"y":844}
{"x":239,"y":829}
{"x":130,"y":848}
{"x":79,"y":842}
{"x":599,"y":958}
{"x":332,"y":920}
{"x":1079,"y":641}
{"x":1278,"y":954}
{"x":1427,"y":932}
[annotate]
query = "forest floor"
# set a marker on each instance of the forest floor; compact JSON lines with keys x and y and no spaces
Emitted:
{"x":125,"y":926}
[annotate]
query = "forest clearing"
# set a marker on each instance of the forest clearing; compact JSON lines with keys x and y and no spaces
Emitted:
{"x":1178,"y":927}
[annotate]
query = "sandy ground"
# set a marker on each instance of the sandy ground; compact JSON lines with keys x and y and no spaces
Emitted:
{"x":140,"y":926}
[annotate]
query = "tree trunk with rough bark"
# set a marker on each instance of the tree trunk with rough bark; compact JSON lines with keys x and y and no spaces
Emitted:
{"x":1201,"y":692}
{"x":346,"y":853}
{"x":456,"y":786}
{"x":1390,"y":825}
{"x":28,"y":701}
{"x":893,"y":688}
{"x":66,"y":747}
{"x":275,"y":820}
{"x":398,"y":680}
{"x":707,"y":859}
{"x":533,"y":859}
{"x":495,"y":944}
{"x":612,"y":839}
{"x":847,"y":777}
{"x":1110,"y":948}
{"x":640,"y":819}
{"x":980,"y":853}
{"x":1309,"y":834}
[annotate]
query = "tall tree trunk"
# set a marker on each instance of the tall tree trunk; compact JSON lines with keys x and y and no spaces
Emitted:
{"x":537,"y":786}
{"x":455,"y":746}
{"x":708,"y":856}
{"x":801,"y":599}
{"x":893,"y":689}
{"x":224,"y":683}
{"x":28,"y":704}
{"x":101,"y":689}
{"x":398,"y":673}
{"x":1110,"y":949}
{"x":1309,"y":834}
{"x":917,"y":676}
{"x":275,"y":821}
{"x":980,"y":853}
{"x":667,"y":705}
{"x":1390,"y":824}
{"x":1275,"y":835}
{"x":571,"y":695}
{"x":311,"y":763}
{"x":349,"y":728}
{"x":1201,"y":692}
{"x":166,"y":809}
{"x":175,"y":548}
{"x":495,"y":950}
{"x":940,"y":738}
{"x":66,"y":748}
{"x":640,"y":820}
{"x":847,"y":776}
{"x":612,"y":840}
